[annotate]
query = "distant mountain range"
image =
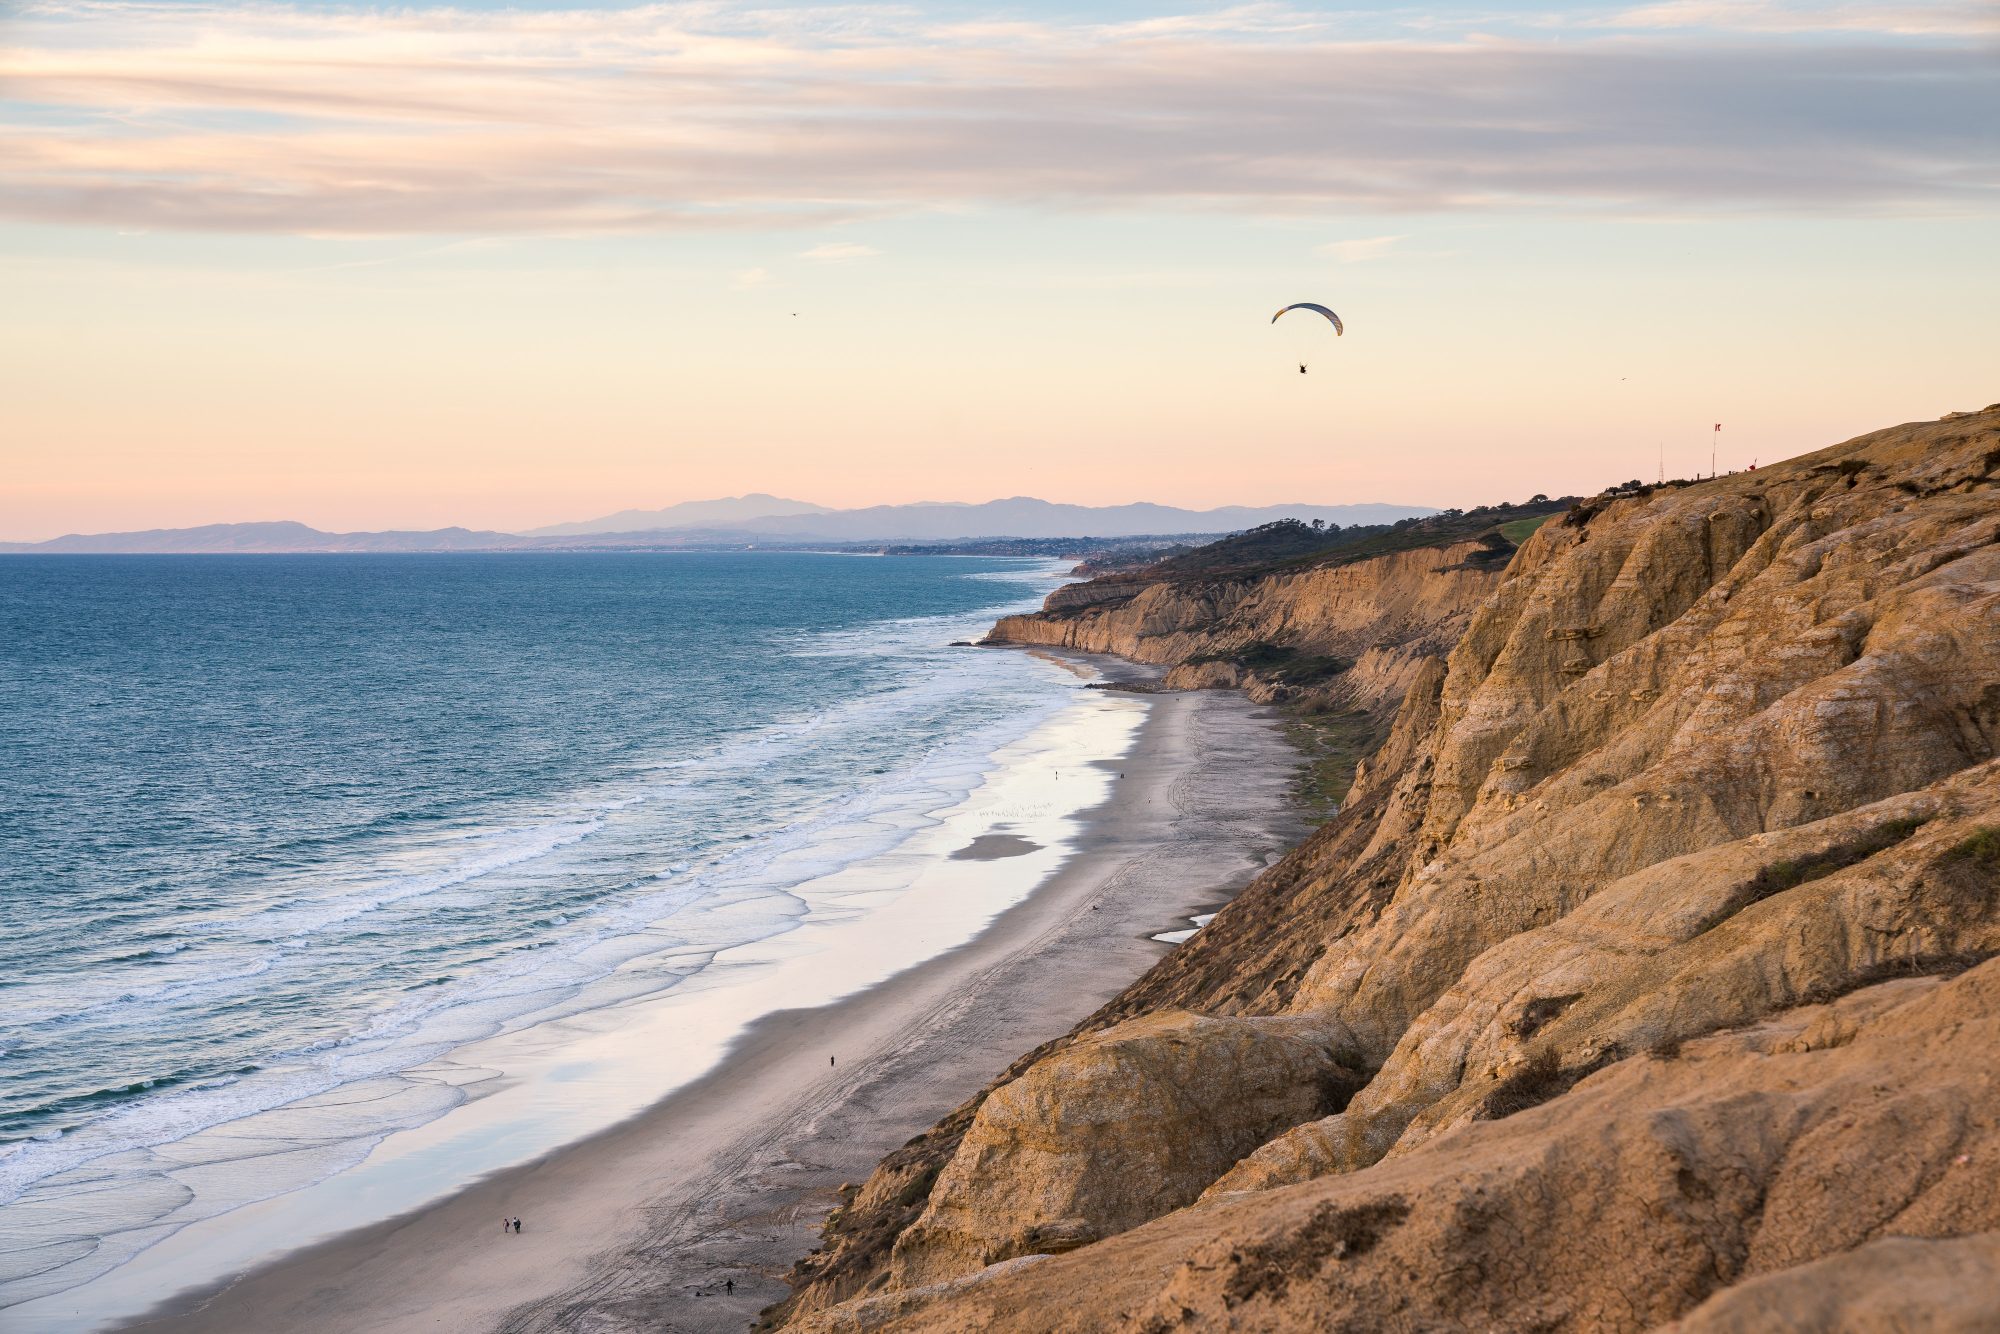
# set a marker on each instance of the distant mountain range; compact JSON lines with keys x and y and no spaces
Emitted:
{"x":688,"y":514}
{"x":266,"y":537}
{"x":734,"y":520}
{"x":1023,"y":516}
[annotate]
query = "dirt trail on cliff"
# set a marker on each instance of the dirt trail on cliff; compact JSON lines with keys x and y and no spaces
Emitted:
{"x":1632,"y":978}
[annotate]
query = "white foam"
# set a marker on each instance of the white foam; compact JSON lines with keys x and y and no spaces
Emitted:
{"x":1200,"y":920}
{"x":661,"y":928}
{"x":495,"y":850}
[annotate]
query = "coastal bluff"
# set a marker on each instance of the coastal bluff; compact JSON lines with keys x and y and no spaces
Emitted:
{"x":1371,"y":620}
{"x":1645,"y":978}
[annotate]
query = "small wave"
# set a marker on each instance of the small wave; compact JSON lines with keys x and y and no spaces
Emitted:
{"x":1040,"y":573}
{"x":908,"y":736}
{"x":507,"y":848}
{"x":60,"y":1011}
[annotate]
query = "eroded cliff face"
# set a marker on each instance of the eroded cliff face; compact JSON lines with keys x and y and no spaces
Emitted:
{"x":1385,"y":615}
{"x":1830,"y":1168}
{"x":1639,"y":975}
{"x":1152,"y":1111}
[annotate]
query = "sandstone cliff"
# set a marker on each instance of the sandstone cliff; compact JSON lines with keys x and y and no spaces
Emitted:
{"x":1350,"y":632}
{"x":1637,"y":981}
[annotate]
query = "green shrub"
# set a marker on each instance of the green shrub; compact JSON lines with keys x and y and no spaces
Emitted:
{"x":1518,"y":530}
{"x":918,"y":1188}
{"x":1541,"y":1078}
{"x":1538,"y":1080}
{"x":1981,"y":848}
{"x":1786,"y":874}
{"x":1279,"y":663}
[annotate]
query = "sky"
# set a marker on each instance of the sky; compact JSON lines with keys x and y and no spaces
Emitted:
{"x":507,"y":265}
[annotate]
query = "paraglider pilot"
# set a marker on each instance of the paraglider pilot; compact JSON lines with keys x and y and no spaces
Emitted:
{"x":1317,"y":309}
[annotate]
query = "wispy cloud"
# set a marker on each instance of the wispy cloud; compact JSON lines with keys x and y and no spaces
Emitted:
{"x":834,"y":252}
{"x":749,"y":278}
{"x":336,"y":121}
{"x":1806,"y":16}
{"x":1364,"y":248}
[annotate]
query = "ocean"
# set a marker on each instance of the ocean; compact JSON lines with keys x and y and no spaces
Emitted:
{"x":280,"y":834}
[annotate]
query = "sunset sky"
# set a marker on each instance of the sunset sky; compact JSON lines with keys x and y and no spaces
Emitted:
{"x":503,"y":266}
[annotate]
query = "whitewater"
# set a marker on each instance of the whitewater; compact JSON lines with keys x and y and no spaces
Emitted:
{"x":283,"y":837}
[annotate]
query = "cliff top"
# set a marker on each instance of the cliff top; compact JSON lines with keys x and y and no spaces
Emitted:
{"x":1290,"y":544}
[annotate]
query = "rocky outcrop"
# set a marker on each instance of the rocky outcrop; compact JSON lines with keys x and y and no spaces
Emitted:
{"x":1691,"y":946}
{"x":1639,"y":1196}
{"x":1891,"y":1286}
{"x":1114,"y":1130}
{"x":1654,"y":927}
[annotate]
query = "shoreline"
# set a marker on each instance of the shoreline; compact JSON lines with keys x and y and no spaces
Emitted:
{"x":730,"y":1175}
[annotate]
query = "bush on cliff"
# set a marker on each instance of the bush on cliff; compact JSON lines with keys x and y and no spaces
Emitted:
{"x":1277,"y":662}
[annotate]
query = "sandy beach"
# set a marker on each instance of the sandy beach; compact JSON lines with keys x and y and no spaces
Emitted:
{"x":640,"y":1226}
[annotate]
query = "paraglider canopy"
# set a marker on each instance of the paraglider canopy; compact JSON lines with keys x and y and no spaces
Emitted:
{"x":1317,"y":309}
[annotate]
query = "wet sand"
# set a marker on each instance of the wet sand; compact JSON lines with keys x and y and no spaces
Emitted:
{"x":994,"y":847}
{"x":638,"y":1228}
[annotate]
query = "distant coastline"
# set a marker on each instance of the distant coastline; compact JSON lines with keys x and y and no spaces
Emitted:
{"x":1017,"y":520}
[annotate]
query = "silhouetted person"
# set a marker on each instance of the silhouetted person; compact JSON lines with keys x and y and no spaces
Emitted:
{"x":729,"y":1285}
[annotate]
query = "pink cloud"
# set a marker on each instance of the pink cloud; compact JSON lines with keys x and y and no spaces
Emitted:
{"x":272,"y":119}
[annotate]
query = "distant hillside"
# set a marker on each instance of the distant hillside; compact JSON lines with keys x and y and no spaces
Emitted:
{"x":278,"y":538}
{"x":1017,"y":518}
{"x":1024,"y":516}
{"x":265,"y":538}
{"x":725,"y":513}
{"x":1144,"y":549}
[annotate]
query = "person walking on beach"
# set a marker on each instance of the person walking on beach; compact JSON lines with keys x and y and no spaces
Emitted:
{"x":517,"y":1227}
{"x":729,"y":1286}
{"x":829,"y":1060}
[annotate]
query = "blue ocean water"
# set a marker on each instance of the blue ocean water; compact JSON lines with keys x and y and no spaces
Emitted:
{"x":277,"y":831}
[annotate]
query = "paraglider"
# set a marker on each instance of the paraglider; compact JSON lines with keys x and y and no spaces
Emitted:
{"x":1317,"y":309}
